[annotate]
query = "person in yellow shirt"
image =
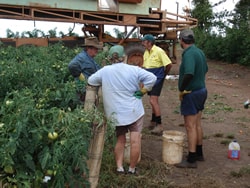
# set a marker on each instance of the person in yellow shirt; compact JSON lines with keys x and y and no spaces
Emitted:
{"x":155,"y":60}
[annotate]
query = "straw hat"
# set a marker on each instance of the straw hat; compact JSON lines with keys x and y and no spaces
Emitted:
{"x":92,"y":41}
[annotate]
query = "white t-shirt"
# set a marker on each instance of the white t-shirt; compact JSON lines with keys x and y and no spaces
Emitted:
{"x":119,"y":82}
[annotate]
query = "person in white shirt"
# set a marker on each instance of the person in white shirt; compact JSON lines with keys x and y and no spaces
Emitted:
{"x":122,"y":102}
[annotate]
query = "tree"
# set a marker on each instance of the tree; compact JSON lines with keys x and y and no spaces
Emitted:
{"x":241,"y":17}
{"x":238,"y":36}
{"x":203,"y":12}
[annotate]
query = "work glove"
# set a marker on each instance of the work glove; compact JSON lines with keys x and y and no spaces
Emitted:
{"x":139,"y":94}
{"x":182,"y":93}
{"x":81,"y":77}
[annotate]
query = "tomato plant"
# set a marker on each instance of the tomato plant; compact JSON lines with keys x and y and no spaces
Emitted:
{"x":38,"y":103}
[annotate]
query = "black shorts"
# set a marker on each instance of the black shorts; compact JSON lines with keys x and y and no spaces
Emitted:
{"x":156,"y":90}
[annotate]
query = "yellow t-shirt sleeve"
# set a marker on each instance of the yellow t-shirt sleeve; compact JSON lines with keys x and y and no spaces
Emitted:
{"x":164,"y":58}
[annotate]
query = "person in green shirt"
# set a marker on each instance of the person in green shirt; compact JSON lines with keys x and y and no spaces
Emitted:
{"x":193,"y":95}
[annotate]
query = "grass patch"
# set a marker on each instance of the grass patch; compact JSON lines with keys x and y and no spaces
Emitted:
{"x":206,"y":137}
{"x":216,"y":96}
{"x":152,"y":174}
{"x":225,"y":142}
{"x":177,"y":110}
{"x":215,"y":105}
{"x":230,"y":136}
{"x":243,"y":119}
{"x":243,"y":171}
{"x":219,"y":135}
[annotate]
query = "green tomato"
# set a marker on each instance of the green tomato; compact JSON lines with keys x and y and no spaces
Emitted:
{"x":9,"y":102}
{"x":49,"y":172}
{"x":52,"y":135}
{"x":9,"y":169}
{"x":1,"y":125}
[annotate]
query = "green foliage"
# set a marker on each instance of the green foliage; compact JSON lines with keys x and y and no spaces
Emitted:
{"x":101,"y":58}
{"x":25,"y":145}
{"x":203,"y":12}
{"x":224,"y":35}
{"x":33,"y":34}
{"x":38,"y":97}
{"x":244,"y":171}
{"x":37,"y":68}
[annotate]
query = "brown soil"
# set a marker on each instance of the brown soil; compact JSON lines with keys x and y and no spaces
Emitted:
{"x":224,"y":119}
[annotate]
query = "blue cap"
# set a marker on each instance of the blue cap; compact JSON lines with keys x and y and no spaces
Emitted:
{"x":148,"y":37}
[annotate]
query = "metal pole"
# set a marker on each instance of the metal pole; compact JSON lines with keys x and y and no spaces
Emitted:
{"x":177,"y":11}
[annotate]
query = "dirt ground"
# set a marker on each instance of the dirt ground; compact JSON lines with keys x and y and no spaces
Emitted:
{"x":224,"y":119}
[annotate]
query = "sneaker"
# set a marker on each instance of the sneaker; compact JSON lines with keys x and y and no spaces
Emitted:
{"x":133,"y":173}
{"x":120,"y":172}
{"x":158,"y":130}
{"x":186,"y":164}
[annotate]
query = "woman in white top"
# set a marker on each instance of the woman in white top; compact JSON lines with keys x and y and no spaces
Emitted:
{"x":122,"y":101}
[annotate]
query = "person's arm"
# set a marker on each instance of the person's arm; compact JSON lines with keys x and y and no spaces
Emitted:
{"x":95,"y":79}
{"x":165,"y":61}
{"x":74,"y":69}
{"x":148,"y":80}
{"x":186,"y":80}
{"x":167,"y":68}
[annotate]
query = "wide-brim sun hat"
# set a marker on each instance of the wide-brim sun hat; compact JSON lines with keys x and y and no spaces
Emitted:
{"x":92,"y":41}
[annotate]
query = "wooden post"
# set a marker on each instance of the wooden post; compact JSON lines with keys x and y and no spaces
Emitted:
{"x":94,"y":99}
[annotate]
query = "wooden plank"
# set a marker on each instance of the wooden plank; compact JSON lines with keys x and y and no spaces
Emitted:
{"x":32,"y":41}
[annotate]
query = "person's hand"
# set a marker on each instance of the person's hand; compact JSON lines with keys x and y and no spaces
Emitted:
{"x":139,"y":94}
{"x":182,"y":93}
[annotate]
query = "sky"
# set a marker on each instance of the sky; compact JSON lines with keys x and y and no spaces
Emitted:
{"x":23,"y":25}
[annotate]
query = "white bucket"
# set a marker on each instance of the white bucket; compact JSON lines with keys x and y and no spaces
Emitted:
{"x":127,"y":150}
{"x":172,"y":146}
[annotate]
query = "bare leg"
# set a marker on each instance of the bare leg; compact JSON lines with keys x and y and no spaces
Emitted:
{"x":158,"y":129}
{"x":199,"y":129}
{"x":135,"y":148}
{"x":190,"y":125}
{"x":154,"y":101}
{"x":119,"y":150}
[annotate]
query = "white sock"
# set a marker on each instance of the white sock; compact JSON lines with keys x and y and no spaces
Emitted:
{"x":131,"y":169}
{"x":120,"y":169}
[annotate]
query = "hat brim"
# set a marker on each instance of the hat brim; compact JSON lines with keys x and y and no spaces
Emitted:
{"x":147,"y":38}
{"x":96,"y":46}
